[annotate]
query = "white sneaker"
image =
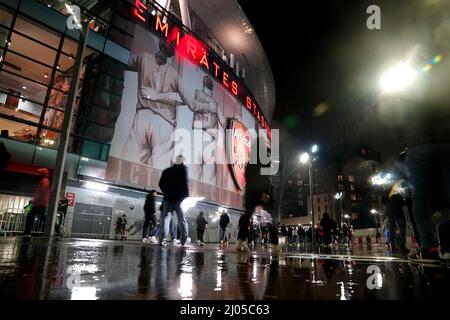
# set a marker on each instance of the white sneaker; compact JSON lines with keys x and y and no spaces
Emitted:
{"x":145,"y":240}
{"x":153,"y":240}
{"x":163,"y":244}
{"x":188,"y":241}
{"x":199,"y":242}
{"x":176,"y":241}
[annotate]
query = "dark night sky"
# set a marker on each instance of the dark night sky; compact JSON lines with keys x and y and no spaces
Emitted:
{"x":323,"y":52}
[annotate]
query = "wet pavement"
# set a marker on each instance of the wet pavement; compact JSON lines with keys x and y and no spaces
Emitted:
{"x":101,"y":269}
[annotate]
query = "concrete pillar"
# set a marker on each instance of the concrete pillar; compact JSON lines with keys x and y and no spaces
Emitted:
{"x":185,"y":17}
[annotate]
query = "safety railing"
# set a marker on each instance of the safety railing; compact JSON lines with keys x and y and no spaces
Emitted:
{"x":13,"y":221}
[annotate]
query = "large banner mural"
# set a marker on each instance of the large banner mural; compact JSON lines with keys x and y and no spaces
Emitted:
{"x":170,"y":106}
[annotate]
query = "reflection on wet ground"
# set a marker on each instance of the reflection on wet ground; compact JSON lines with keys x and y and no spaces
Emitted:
{"x":97,"y":269}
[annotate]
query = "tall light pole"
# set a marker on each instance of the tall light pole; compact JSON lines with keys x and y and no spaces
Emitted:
{"x":65,"y":131}
{"x":375,"y":215}
{"x":306,"y":159}
{"x":339,"y":196}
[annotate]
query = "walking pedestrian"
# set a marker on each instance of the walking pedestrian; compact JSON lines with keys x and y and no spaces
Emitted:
{"x":149,"y":214}
{"x":40,"y":201}
{"x":174,"y":185}
{"x":223,"y":223}
{"x":257,"y":192}
{"x":201,"y":227}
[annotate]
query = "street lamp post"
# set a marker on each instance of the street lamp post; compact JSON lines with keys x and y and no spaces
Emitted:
{"x":65,"y":132}
{"x":311,"y":196}
{"x":375,"y":215}
{"x":339,"y":196}
{"x":305,"y":158}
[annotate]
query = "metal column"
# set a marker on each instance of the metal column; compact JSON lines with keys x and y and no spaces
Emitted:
{"x":65,"y":132}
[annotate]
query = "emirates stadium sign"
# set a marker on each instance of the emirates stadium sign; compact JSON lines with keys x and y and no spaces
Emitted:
{"x":239,"y":145}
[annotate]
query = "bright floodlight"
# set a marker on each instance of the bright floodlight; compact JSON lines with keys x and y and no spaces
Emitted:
{"x":190,"y":202}
{"x":397,"y":78}
{"x":315,"y":148}
{"x":346,"y":216}
{"x":304,"y":157}
{"x":373,"y":211}
{"x":96,"y":186}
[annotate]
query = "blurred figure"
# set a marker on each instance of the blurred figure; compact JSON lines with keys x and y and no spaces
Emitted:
{"x":393,"y":202}
{"x":223,"y":224}
{"x":284,"y":233}
{"x":4,"y":156}
{"x":301,"y":235}
{"x":328,"y":228}
{"x":257,"y":192}
{"x":121,"y":225}
{"x":345,"y":233}
{"x":427,"y":131}
{"x":149,"y":214}
{"x":63,"y":205}
{"x":290,"y":234}
{"x":40,"y":201}
{"x":351,"y":234}
{"x":201,"y":227}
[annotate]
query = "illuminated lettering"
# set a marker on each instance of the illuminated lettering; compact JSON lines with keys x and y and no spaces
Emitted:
{"x":161,"y":27}
{"x":225,"y":79}
{"x":217,"y":68}
{"x":139,"y":10}
{"x":248,"y":103}
{"x":191,"y":48}
{"x":204,"y":61}
{"x":234,"y":88}
{"x":174,"y":36}
{"x":198,"y":52}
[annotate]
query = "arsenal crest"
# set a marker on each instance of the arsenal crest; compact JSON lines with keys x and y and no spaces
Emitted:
{"x":239,"y":144}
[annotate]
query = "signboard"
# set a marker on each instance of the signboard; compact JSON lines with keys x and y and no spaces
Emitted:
{"x":71,"y":198}
{"x":239,"y":145}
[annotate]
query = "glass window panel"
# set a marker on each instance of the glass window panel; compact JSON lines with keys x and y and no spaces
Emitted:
{"x":49,"y":138}
{"x":27,"y":68}
{"x":37,"y":32}
{"x":53,"y":118}
{"x":70,"y":48}
{"x":62,"y":83}
{"x":99,"y":133}
{"x":32,"y":49}
{"x":5,"y":17}
{"x":3,"y":36}
{"x":12,"y":106}
{"x":23,"y":87}
{"x":18,"y":131}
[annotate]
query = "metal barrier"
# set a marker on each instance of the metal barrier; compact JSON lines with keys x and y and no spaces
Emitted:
{"x":12,"y":222}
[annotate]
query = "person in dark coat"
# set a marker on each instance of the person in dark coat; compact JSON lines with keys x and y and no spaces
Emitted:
{"x":149,"y":214}
{"x":328,"y":227}
{"x":223,"y":223}
{"x":257,"y":191}
{"x":174,"y":185}
{"x":201,"y":227}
